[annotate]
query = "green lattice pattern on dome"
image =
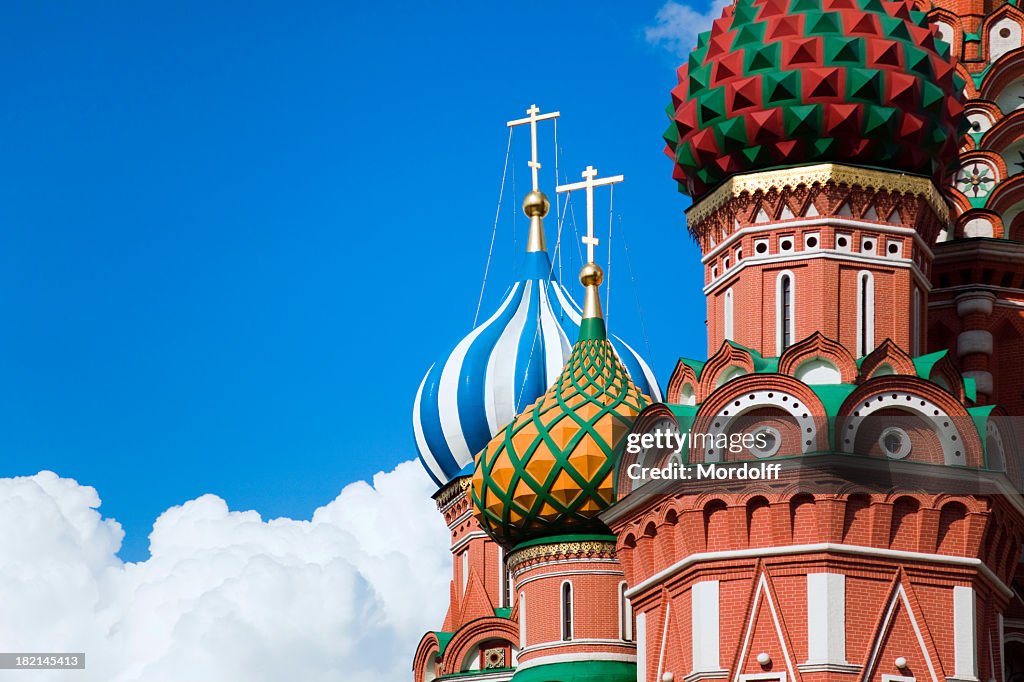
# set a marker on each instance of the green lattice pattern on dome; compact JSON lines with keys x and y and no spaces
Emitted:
{"x":550,"y":470}
{"x":787,"y":82}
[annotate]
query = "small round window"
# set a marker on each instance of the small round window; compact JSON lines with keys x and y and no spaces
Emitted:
{"x":767,"y":441}
{"x":895,"y":443}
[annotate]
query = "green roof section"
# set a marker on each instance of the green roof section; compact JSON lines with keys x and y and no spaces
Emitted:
{"x":696,"y":365}
{"x":579,"y":671}
{"x":833,"y":396}
{"x":504,"y":612}
{"x":924,"y":363}
{"x":443,"y":640}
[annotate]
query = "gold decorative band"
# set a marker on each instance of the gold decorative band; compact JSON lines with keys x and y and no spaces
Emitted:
{"x":452,"y":491}
{"x":818,"y":174}
{"x":580,"y":549}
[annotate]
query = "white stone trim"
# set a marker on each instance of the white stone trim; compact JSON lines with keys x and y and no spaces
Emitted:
{"x":816,"y":548}
{"x":544,"y":646}
{"x":729,"y":331}
{"x":641,"y":646}
{"x":826,"y":619}
{"x":828,"y":221}
{"x":748,"y":636}
{"x":569,"y":658}
{"x":899,"y":596}
{"x":827,"y":254}
{"x":965,"y":631}
{"x":466,"y":539}
{"x":704,"y":626}
{"x":761,"y":398}
{"x":566,"y":574}
{"x":522,"y":621}
{"x":912,"y":403}
{"x":664,"y":640}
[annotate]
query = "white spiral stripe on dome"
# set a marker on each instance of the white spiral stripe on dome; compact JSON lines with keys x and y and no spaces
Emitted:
{"x":448,"y":388}
{"x":501,"y":367}
{"x":421,"y":440}
{"x":556,"y":349}
{"x":565,"y":301}
{"x":652,"y":383}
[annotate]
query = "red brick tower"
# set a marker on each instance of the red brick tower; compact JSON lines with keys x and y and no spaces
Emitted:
{"x":977,"y":303}
{"x":479,"y":632}
{"x":813,"y":136}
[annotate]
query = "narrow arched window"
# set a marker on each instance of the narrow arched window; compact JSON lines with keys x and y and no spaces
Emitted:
{"x":566,"y":611}
{"x":625,"y":615}
{"x":784,"y":311}
{"x":728,"y":315}
{"x":522,"y":620}
{"x":865,"y":313}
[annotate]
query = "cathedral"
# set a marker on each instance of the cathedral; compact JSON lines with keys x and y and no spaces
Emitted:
{"x":855,"y":170}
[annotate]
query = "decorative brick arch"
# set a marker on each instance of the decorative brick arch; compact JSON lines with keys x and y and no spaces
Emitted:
{"x":993,"y":218}
{"x":1007,"y":69}
{"x":728,"y":355}
{"x":682,"y":375}
{"x":1004,"y":132}
{"x":815,"y":346}
{"x":426,"y":653}
{"x":886,"y":353}
{"x":755,"y":391}
{"x":651,"y":414}
{"x":916,"y":396}
{"x":472,"y":634}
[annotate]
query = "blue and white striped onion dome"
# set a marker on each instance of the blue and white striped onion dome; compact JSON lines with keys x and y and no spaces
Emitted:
{"x":502,"y":367}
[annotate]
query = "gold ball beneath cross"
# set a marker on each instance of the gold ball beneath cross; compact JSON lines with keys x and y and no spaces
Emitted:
{"x":536,"y":204}
{"x":591,"y":275}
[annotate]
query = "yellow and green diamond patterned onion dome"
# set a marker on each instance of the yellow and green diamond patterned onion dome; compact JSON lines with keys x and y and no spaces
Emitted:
{"x":550,"y":470}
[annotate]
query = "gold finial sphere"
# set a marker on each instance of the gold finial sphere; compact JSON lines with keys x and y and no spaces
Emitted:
{"x":536,"y":205}
{"x":591,"y":275}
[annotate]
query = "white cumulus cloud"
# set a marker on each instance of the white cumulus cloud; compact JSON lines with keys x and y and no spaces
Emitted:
{"x":225,"y":596}
{"x":677,"y":25}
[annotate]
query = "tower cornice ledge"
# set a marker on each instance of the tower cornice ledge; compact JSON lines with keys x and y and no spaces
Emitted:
{"x":822,"y":173}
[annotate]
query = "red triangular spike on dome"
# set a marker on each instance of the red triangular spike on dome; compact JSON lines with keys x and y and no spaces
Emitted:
{"x":901,"y":90}
{"x":883,"y":52}
{"x":842,"y":120}
{"x":686,"y":118}
{"x":764,"y":126}
{"x":897,"y":9}
{"x":788,"y":26}
{"x":821,"y":83}
{"x":911,"y":128}
{"x":729,"y":66}
{"x":801,"y":52}
{"x":744,"y":94}
{"x":860,"y":24}
{"x":705,"y":147}
{"x":772,"y":8}
{"x":720,"y":25}
{"x":834,"y":5}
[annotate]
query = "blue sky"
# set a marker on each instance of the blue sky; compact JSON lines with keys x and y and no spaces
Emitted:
{"x":233,"y":237}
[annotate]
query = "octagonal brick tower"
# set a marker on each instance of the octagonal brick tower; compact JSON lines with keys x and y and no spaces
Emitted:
{"x":810,"y":134}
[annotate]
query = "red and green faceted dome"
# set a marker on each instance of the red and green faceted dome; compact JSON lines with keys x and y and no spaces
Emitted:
{"x":779,"y":83}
